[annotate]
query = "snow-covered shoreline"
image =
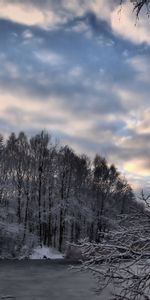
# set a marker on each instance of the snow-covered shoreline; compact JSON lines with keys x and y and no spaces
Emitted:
{"x":38,"y":253}
{"x":46,"y":253}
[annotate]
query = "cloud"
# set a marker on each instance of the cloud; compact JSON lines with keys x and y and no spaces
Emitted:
{"x":48,"y":57}
{"x":53,"y":14}
{"x":49,"y":14}
{"x":137,"y":167}
{"x":141,"y":64}
{"x":27,"y":34}
{"x":143,"y":126}
{"x":30,"y":13}
{"x":20,"y":13}
{"x":11,"y":69}
{"x":80,"y":76}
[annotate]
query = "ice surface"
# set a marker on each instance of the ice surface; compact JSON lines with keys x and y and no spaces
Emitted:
{"x":46,"y":280}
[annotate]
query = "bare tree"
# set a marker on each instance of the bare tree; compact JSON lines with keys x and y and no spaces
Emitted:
{"x":55,"y":195}
{"x":138,"y":5}
{"x":121,"y":260}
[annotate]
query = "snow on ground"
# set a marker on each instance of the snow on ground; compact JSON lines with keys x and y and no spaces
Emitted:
{"x":45,"y":252}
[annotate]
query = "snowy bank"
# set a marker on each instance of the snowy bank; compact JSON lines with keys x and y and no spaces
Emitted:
{"x":46,"y":252}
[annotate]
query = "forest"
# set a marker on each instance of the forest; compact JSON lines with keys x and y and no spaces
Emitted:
{"x":49,"y":195}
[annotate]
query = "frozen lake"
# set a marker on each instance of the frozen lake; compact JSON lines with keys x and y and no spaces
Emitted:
{"x":45,"y":280}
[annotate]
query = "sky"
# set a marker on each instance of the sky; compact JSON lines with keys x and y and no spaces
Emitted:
{"x":79,"y":69}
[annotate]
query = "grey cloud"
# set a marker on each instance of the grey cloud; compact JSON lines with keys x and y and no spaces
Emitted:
{"x":90,"y":97}
{"x":6,"y":125}
{"x":136,"y":147}
{"x":114,"y":127}
{"x":33,"y":117}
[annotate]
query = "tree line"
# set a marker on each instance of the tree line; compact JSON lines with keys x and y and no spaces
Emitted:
{"x":49,"y":191}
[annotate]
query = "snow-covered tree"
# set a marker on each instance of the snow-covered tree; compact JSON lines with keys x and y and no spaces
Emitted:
{"x":50,"y":192}
{"x":121,"y":260}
